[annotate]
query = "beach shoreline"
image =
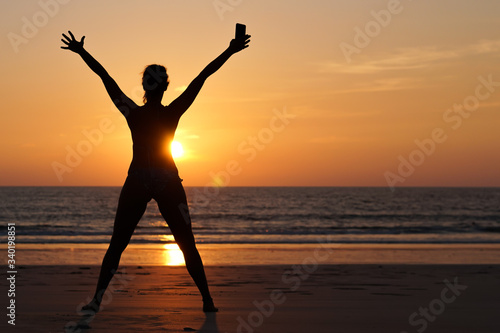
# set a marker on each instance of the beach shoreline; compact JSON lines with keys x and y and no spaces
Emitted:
{"x":321,"y":287}
{"x":261,"y":254}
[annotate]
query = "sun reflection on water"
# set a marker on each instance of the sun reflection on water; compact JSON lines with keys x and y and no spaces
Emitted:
{"x":173,"y":255}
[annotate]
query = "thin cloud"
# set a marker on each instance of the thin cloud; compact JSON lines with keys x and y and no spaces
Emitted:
{"x":411,"y":58}
{"x":339,"y":139}
{"x":180,"y":88}
{"x":386,"y":84}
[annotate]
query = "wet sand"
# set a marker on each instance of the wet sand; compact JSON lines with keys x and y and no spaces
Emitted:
{"x":304,"y":297}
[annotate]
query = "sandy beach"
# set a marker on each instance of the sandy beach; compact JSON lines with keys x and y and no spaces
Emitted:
{"x":323,"y":252}
{"x":306,"y":296}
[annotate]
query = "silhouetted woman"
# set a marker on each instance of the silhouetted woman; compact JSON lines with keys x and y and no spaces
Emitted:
{"x":152,"y":173}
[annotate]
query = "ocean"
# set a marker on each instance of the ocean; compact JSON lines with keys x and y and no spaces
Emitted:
{"x":263,"y":215}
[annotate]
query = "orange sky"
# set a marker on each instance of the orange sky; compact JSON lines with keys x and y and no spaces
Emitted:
{"x":312,"y":102}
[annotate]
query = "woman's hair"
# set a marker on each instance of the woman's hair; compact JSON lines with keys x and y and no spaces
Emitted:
{"x":154,"y":80}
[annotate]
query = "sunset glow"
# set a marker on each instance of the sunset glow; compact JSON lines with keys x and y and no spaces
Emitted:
{"x":177,"y":150}
{"x":329,"y":93}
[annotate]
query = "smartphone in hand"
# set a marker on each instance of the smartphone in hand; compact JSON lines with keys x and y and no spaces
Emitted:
{"x":240,"y":30}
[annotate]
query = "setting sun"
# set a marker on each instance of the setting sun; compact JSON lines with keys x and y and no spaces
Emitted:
{"x":176,"y":149}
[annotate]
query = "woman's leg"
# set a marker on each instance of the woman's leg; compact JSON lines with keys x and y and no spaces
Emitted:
{"x":131,"y":206}
{"x":173,"y":207}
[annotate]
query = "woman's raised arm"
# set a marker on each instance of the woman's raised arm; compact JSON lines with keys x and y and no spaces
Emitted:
{"x":122,"y":102}
{"x":182,"y":103}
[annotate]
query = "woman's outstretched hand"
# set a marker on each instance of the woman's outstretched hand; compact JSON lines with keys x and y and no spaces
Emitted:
{"x":239,"y":44}
{"x":72,"y":44}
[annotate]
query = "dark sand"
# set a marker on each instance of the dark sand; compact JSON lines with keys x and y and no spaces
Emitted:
{"x":317,"y":298}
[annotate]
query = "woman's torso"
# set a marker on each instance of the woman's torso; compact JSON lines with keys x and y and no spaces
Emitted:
{"x":153,"y":129}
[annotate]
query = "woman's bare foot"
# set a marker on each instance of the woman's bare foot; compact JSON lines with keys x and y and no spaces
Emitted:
{"x":208,"y":305}
{"x":91,"y":308}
